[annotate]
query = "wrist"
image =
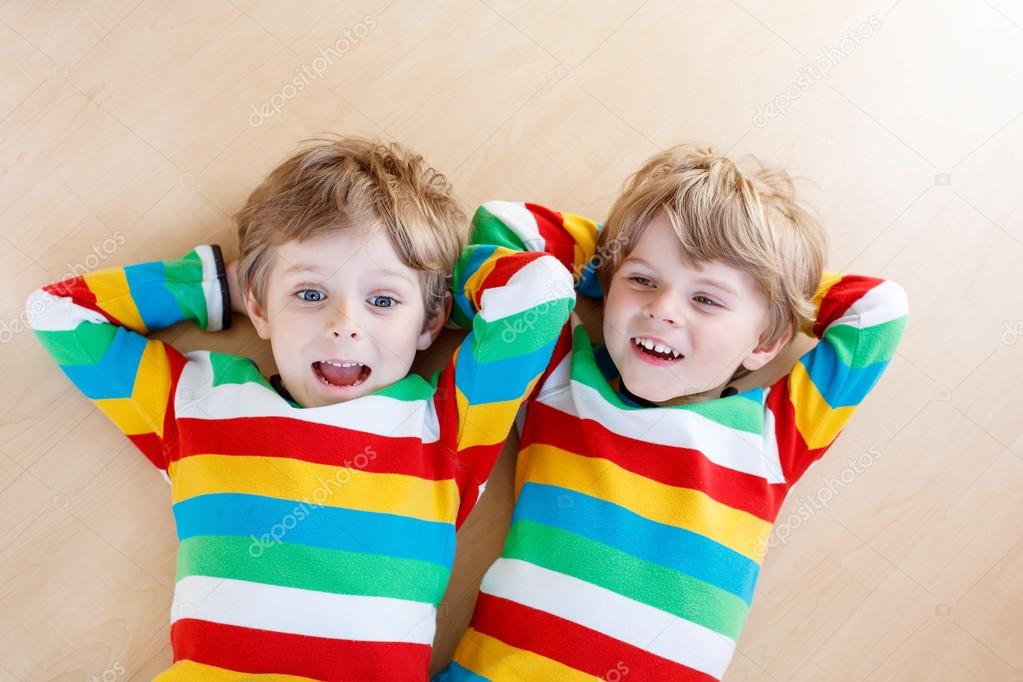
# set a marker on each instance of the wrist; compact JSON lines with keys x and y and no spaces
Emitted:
{"x":234,"y":289}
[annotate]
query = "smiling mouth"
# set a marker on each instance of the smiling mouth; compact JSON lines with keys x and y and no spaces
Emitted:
{"x":656,"y":349}
{"x":341,"y":373}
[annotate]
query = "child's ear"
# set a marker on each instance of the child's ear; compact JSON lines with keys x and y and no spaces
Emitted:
{"x":258,"y":316}
{"x":434,"y":324}
{"x":764,"y":353}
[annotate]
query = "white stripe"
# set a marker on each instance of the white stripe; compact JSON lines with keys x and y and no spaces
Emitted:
{"x":884,"y":303}
{"x":678,"y":428}
{"x":303,"y":612}
{"x":197,"y":398}
{"x":771,"y":456}
{"x":648,"y":628}
{"x":559,"y":379}
{"x":519,"y":220}
{"x":48,"y":313}
{"x":540,"y":281}
{"x":211,"y":289}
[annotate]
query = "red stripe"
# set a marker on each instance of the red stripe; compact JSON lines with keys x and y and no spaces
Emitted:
{"x":474,"y":466}
{"x":248,"y":650}
{"x":557,"y":240}
{"x":843,"y":294}
{"x":310,"y":442}
{"x":78,"y":291}
{"x":159,"y":450}
{"x":793,"y":452}
{"x":505,"y":267}
{"x":675,"y":466}
{"x":151,"y":446}
{"x":571,"y":644}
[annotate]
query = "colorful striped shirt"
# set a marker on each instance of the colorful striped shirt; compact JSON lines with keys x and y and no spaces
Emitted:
{"x":638,"y":532}
{"x":314,"y":543}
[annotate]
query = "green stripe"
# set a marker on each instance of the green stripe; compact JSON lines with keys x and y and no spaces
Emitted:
{"x":623,"y":573}
{"x":871,"y":345}
{"x":86,"y":345}
{"x":410,"y":389}
{"x":745,"y":415}
{"x":312,"y":568}
{"x":235,"y":369}
{"x":183,"y":280}
{"x":742,"y":415}
{"x":521,"y":333}
{"x":489,"y":229}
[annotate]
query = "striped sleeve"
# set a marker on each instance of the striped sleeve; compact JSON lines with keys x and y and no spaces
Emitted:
{"x":860,"y":321}
{"x":515,"y":303}
{"x":94,"y":326}
{"x":570,"y":238}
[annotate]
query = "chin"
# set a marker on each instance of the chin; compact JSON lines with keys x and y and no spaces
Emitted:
{"x":654,"y":394}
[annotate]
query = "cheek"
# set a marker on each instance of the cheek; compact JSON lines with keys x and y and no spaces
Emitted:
{"x":619,"y":304}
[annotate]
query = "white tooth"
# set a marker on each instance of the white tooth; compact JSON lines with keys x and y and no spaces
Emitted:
{"x":648,"y":344}
{"x":659,"y":348}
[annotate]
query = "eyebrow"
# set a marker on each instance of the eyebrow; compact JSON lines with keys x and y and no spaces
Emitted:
{"x":702,"y":280}
{"x":393,"y":273}
{"x":316,"y":269}
{"x":303,"y":268}
{"x":720,"y":285}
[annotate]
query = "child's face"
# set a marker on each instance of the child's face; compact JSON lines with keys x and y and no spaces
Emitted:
{"x":343,"y":314}
{"x":709,"y":317}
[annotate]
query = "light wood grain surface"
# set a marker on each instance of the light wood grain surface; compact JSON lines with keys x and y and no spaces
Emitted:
{"x":133,"y":130}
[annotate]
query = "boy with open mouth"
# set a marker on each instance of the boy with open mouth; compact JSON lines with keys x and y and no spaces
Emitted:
{"x":316,"y":512}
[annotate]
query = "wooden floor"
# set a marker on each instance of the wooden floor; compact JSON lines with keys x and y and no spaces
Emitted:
{"x":132,"y":130}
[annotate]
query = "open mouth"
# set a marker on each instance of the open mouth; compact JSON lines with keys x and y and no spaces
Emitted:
{"x":341,"y":373}
{"x":656,"y":349}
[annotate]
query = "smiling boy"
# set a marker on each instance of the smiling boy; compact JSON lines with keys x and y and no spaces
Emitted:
{"x":316,"y":512}
{"x":646,"y":484}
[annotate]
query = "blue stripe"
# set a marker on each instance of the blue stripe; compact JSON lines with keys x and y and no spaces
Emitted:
{"x":307,"y":524}
{"x":839,"y":384}
{"x":114,"y":375}
{"x":457,"y":673}
{"x":498,"y":380}
{"x":675,"y":548}
{"x":156,"y":305}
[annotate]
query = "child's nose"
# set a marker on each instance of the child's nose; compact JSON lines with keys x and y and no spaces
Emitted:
{"x":343,"y":322}
{"x":662,"y":308}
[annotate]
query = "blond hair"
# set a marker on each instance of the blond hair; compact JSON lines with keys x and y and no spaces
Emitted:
{"x":337,"y":183}
{"x":750,"y":221}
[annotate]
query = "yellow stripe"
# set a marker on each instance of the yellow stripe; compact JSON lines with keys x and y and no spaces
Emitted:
{"x":112,"y":295}
{"x":487,"y":423}
{"x":144,"y":411}
{"x":330,"y":486}
{"x":473,"y":284}
{"x":497,"y":661}
{"x":584,"y":232}
{"x":199,"y":672}
{"x":828,"y":280}
{"x":692,"y":510}
{"x":818,"y":423}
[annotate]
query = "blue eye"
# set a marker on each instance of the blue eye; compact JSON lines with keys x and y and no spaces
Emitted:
{"x":705,"y":301}
{"x":311,"y":295}
{"x":382,"y":301}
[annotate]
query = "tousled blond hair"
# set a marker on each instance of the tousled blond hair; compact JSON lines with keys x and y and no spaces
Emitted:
{"x":336,"y":183}
{"x":751,"y":221}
